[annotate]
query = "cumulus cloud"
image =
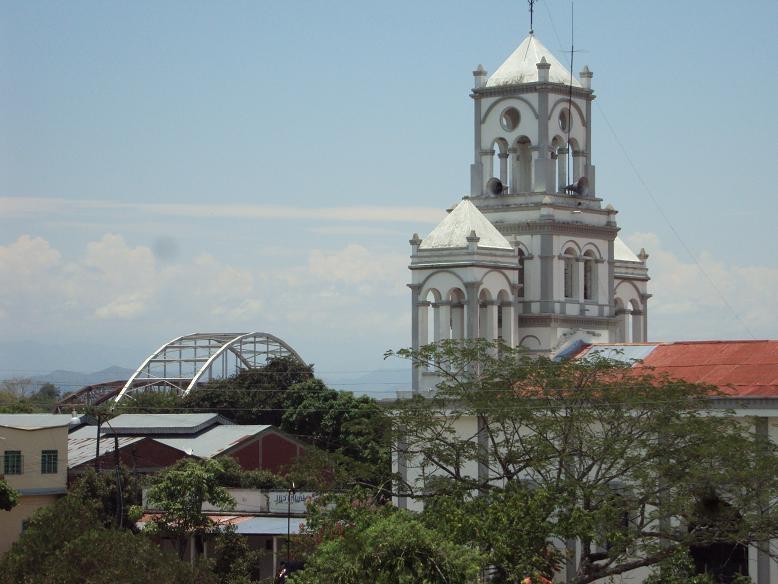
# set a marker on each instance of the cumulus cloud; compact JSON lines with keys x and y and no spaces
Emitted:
{"x":19,"y":207}
{"x":27,"y":268}
{"x":26,"y":255}
{"x":112,"y":287}
{"x":710,"y":299}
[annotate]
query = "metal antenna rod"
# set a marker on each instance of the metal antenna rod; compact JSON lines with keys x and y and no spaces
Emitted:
{"x":570,"y":90}
{"x":531,"y":15}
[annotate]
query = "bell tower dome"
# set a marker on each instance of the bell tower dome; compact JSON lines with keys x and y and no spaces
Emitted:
{"x":531,"y":114}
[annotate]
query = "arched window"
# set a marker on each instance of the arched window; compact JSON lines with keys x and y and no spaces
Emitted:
{"x":457,"y":315}
{"x":504,"y":318}
{"x":559,"y":156}
{"x":487,"y":316}
{"x":500,"y":161}
{"x":521,"y":171}
{"x":590,"y":276}
{"x":623,"y":329}
{"x":636,"y":322}
{"x":520,"y":275}
{"x":570,"y":273}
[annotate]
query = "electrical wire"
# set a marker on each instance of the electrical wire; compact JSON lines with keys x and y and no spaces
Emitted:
{"x":648,"y":190}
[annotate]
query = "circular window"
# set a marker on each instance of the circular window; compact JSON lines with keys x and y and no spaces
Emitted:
{"x":509,"y":119}
{"x":564,"y":120}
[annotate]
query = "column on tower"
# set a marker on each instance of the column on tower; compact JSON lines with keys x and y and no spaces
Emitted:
{"x":442,"y":320}
{"x":487,"y":316}
{"x":505,"y":321}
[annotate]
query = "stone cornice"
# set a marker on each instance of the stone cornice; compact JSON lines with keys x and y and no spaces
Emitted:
{"x":535,"y":200}
{"x":547,"y":320}
{"x":618,"y":276}
{"x":557,"y":228}
{"x":737,"y":403}
{"x":463,"y":264}
{"x":535,"y":87}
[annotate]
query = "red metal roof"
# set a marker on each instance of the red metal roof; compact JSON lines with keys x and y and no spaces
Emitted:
{"x":738,"y":368}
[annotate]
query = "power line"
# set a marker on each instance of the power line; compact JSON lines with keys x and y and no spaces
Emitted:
{"x":654,"y":200}
{"x":670,"y":224}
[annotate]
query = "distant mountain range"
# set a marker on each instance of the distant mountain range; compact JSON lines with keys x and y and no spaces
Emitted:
{"x":378,"y":384}
{"x":67,"y":381}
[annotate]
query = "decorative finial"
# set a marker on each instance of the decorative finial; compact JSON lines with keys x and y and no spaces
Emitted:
{"x":531,"y":15}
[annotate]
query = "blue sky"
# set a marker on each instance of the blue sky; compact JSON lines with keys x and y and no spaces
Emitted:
{"x":171,"y":167}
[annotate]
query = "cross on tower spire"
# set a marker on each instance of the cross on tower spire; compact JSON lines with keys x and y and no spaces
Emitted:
{"x":531,"y":15}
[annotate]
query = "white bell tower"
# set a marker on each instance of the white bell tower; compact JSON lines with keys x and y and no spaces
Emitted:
{"x":532,"y":122}
{"x":531,"y":255}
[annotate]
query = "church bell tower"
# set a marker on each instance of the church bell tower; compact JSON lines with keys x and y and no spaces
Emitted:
{"x":531,"y":255}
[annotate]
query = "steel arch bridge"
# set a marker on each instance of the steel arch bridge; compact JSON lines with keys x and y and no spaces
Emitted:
{"x":180,"y":364}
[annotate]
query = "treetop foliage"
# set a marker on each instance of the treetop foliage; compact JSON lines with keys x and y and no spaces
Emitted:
{"x":633,"y":465}
{"x":8,"y":496}
{"x":67,"y":543}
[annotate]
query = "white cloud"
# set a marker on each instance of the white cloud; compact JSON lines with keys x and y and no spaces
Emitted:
{"x":26,"y":269}
{"x":353,"y":296}
{"x":115,"y":289}
{"x":26,"y":255}
{"x":712,"y":300}
{"x":18,"y":207}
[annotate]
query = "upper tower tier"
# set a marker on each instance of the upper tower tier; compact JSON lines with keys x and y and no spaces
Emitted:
{"x":532,"y":126}
{"x":521,"y":66}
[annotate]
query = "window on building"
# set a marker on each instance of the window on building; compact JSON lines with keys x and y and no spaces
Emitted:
{"x":522,"y":257}
{"x":571,"y":281}
{"x":49,"y":460}
{"x":589,"y":276}
{"x":12,"y":462}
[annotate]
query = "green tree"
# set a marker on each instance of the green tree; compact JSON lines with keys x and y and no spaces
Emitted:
{"x":362,"y":542}
{"x":66,"y":543}
{"x":233,"y":560}
{"x":511,"y":526}
{"x":627,"y":456}
{"x":354,"y":429}
{"x":253,"y":396}
{"x":677,"y":569}
{"x":231,"y":474}
{"x":13,"y":396}
{"x":178,"y":493}
{"x":8,"y":496}
{"x":46,"y":396}
{"x":150,"y":402}
{"x":99,"y":491}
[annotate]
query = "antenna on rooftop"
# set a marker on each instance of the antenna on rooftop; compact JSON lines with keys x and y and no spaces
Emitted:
{"x":531,"y":15}
{"x":570,"y":89}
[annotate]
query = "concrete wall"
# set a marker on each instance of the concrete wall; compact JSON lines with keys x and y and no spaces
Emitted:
{"x":37,"y":490}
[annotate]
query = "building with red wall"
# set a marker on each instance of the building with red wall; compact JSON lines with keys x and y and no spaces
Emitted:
{"x":148,"y":443}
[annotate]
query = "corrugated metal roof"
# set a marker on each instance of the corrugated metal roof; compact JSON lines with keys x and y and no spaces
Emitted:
{"x":162,"y":423}
{"x":213,"y":441}
{"x":248,"y":524}
{"x":34,"y":421}
{"x":87,"y":431}
{"x":738,"y":368}
{"x":626,"y":352}
{"x":82,"y":450}
{"x":268,"y":525}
